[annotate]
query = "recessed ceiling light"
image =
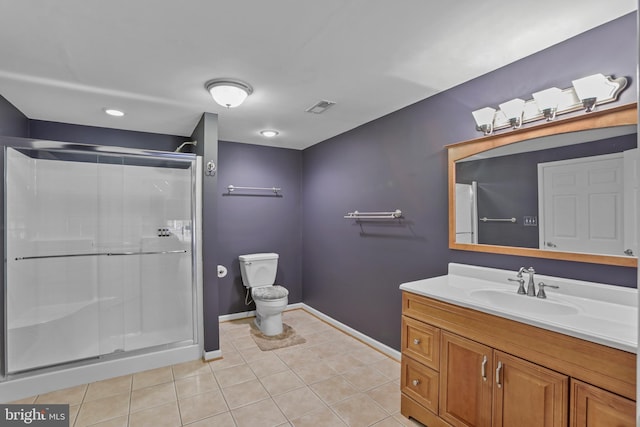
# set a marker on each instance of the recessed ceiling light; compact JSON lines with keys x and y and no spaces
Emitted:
{"x":269,"y":133}
{"x":113,"y":112}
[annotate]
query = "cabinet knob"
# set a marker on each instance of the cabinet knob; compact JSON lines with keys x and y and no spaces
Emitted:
{"x":415,"y":383}
{"x":416,"y":341}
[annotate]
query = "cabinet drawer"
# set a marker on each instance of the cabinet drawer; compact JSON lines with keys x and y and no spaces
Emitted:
{"x":593,"y":407}
{"x":421,"y":342}
{"x":420,"y":383}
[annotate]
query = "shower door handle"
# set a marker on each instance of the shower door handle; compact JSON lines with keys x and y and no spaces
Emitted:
{"x":100,"y":254}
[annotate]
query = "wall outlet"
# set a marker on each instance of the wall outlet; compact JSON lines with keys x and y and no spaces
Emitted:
{"x":530,"y":221}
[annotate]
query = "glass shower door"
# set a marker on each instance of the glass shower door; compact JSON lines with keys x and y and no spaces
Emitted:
{"x":52,"y":296}
{"x":99,"y":255}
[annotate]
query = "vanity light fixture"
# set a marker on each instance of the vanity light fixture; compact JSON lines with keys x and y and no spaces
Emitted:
{"x":113,"y":112}
{"x":484,"y":119}
{"x":513,"y":111}
{"x":585,"y":93}
{"x":269,"y":133}
{"x":593,"y":89}
{"x":547,"y":101}
{"x":228,"y":92}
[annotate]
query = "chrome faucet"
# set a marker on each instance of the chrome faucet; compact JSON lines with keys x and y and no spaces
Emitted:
{"x":531,"y":286}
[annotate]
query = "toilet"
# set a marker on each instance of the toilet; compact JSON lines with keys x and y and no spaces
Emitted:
{"x":258,"y":274}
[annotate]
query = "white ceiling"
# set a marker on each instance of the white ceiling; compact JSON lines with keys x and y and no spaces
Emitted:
{"x":66,"y":60}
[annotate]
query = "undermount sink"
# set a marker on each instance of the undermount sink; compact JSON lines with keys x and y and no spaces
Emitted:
{"x":512,"y":301}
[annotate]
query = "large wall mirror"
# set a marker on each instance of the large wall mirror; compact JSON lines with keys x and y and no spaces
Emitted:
{"x":565,"y":189}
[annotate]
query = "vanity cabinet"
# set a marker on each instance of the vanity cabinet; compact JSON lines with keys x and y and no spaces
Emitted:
{"x":462,"y":367}
{"x":481,"y":386}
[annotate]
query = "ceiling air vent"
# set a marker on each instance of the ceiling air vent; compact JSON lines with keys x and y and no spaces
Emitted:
{"x":320,"y":107}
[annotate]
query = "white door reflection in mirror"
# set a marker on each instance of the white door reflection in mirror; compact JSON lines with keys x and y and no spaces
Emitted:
{"x":467,"y":213}
{"x":581,"y":203}
{"x":631,"y":201}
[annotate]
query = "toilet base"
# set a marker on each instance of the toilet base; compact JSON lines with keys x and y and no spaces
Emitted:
{"x":269,"y":325}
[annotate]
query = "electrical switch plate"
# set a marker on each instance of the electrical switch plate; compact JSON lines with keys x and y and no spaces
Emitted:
{"x":530,"y":221}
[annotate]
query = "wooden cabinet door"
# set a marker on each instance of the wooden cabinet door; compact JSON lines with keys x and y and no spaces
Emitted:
{"x":465,"y":393}
{"x":528,"y":395}
{"x":593,"y":407}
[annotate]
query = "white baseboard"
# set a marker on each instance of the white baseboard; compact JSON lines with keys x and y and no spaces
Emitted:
{"x":212,"y":355}
{"x":394,"y":354}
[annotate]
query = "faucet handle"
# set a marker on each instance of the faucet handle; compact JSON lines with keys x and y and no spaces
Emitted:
{"x":541,"y":292}
{"x":520,"y":281}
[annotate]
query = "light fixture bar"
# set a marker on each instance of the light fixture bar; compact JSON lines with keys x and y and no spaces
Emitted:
{"x":568,"y":101}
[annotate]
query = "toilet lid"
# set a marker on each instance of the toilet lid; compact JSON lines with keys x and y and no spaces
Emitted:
{"x":269,"y":292}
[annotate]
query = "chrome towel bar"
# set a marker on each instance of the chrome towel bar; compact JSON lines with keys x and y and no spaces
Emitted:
{"x":397,"y":214}
{"x":485,"y":219}
{"x":232,"y":188}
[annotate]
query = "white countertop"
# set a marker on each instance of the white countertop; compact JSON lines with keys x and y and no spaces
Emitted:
{"x":595,"y":312}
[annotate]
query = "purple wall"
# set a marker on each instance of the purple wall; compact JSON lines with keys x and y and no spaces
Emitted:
{"x":352,"y":272}
{"x":55,"y":131}
{"x":252,"y":222}
{"x":12,"y":121}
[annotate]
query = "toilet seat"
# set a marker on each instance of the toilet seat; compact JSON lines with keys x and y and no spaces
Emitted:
{"x":269,"y":292}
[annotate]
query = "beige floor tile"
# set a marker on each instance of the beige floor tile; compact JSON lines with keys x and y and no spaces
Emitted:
{"x":267,"y":364}
{"x":365,"y":378}
{"x":297,"y":403}
{"x":281,"y":382}
{"x":71,"y":395}
{"x":325,"y":350}
{"x":244,"y":341}
{"x":343,"y":362}
{"x":222,"y":420}
{"x":189,"y":369}
{"x":262,"y":414}
{"x":323,"y":417}
{"x":368,"y":355}
{"x":359,"y":411}
{"x":387,"y":396}
{"x":155,"y":395}
{"x":334,"y":389}
{"x":114,"y":422}
{"x":166,"y":415}
{"x":73,"y":413}
{"x":388,"y":367}
{"x":103,"y":409}
{"x":229,"y":359}
{"x":110,"y":387}
{"x":244,"y":393}
{"x":251,"y":353}
{"x":293,"y":356}
{"x":152,"y":377}
{"x":234,"y":375}
{"x":388,"y":422}
{"x":197,"y":384}
{"x":25,"y":401}
{"x":314,"y":371}
{"x":202,"y":406}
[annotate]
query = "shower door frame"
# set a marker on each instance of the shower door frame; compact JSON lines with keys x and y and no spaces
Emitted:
{"x":196,"y":227}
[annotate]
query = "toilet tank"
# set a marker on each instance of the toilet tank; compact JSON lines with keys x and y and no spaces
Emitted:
{"x":258,"y":269}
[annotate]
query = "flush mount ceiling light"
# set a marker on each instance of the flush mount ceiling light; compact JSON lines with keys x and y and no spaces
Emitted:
{"x":585,"y":94}
{"x":269,"y":133}
{"x":228,"y":92}
{"x":113,"y":112}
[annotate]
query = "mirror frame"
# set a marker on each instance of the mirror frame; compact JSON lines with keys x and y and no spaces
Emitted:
{"x":616,"y":116}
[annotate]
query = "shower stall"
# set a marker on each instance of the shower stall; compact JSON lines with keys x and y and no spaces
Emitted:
{"x":100,"y":255}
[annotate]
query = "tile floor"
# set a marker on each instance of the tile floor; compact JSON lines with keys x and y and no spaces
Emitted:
{"x":331,"y":380}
